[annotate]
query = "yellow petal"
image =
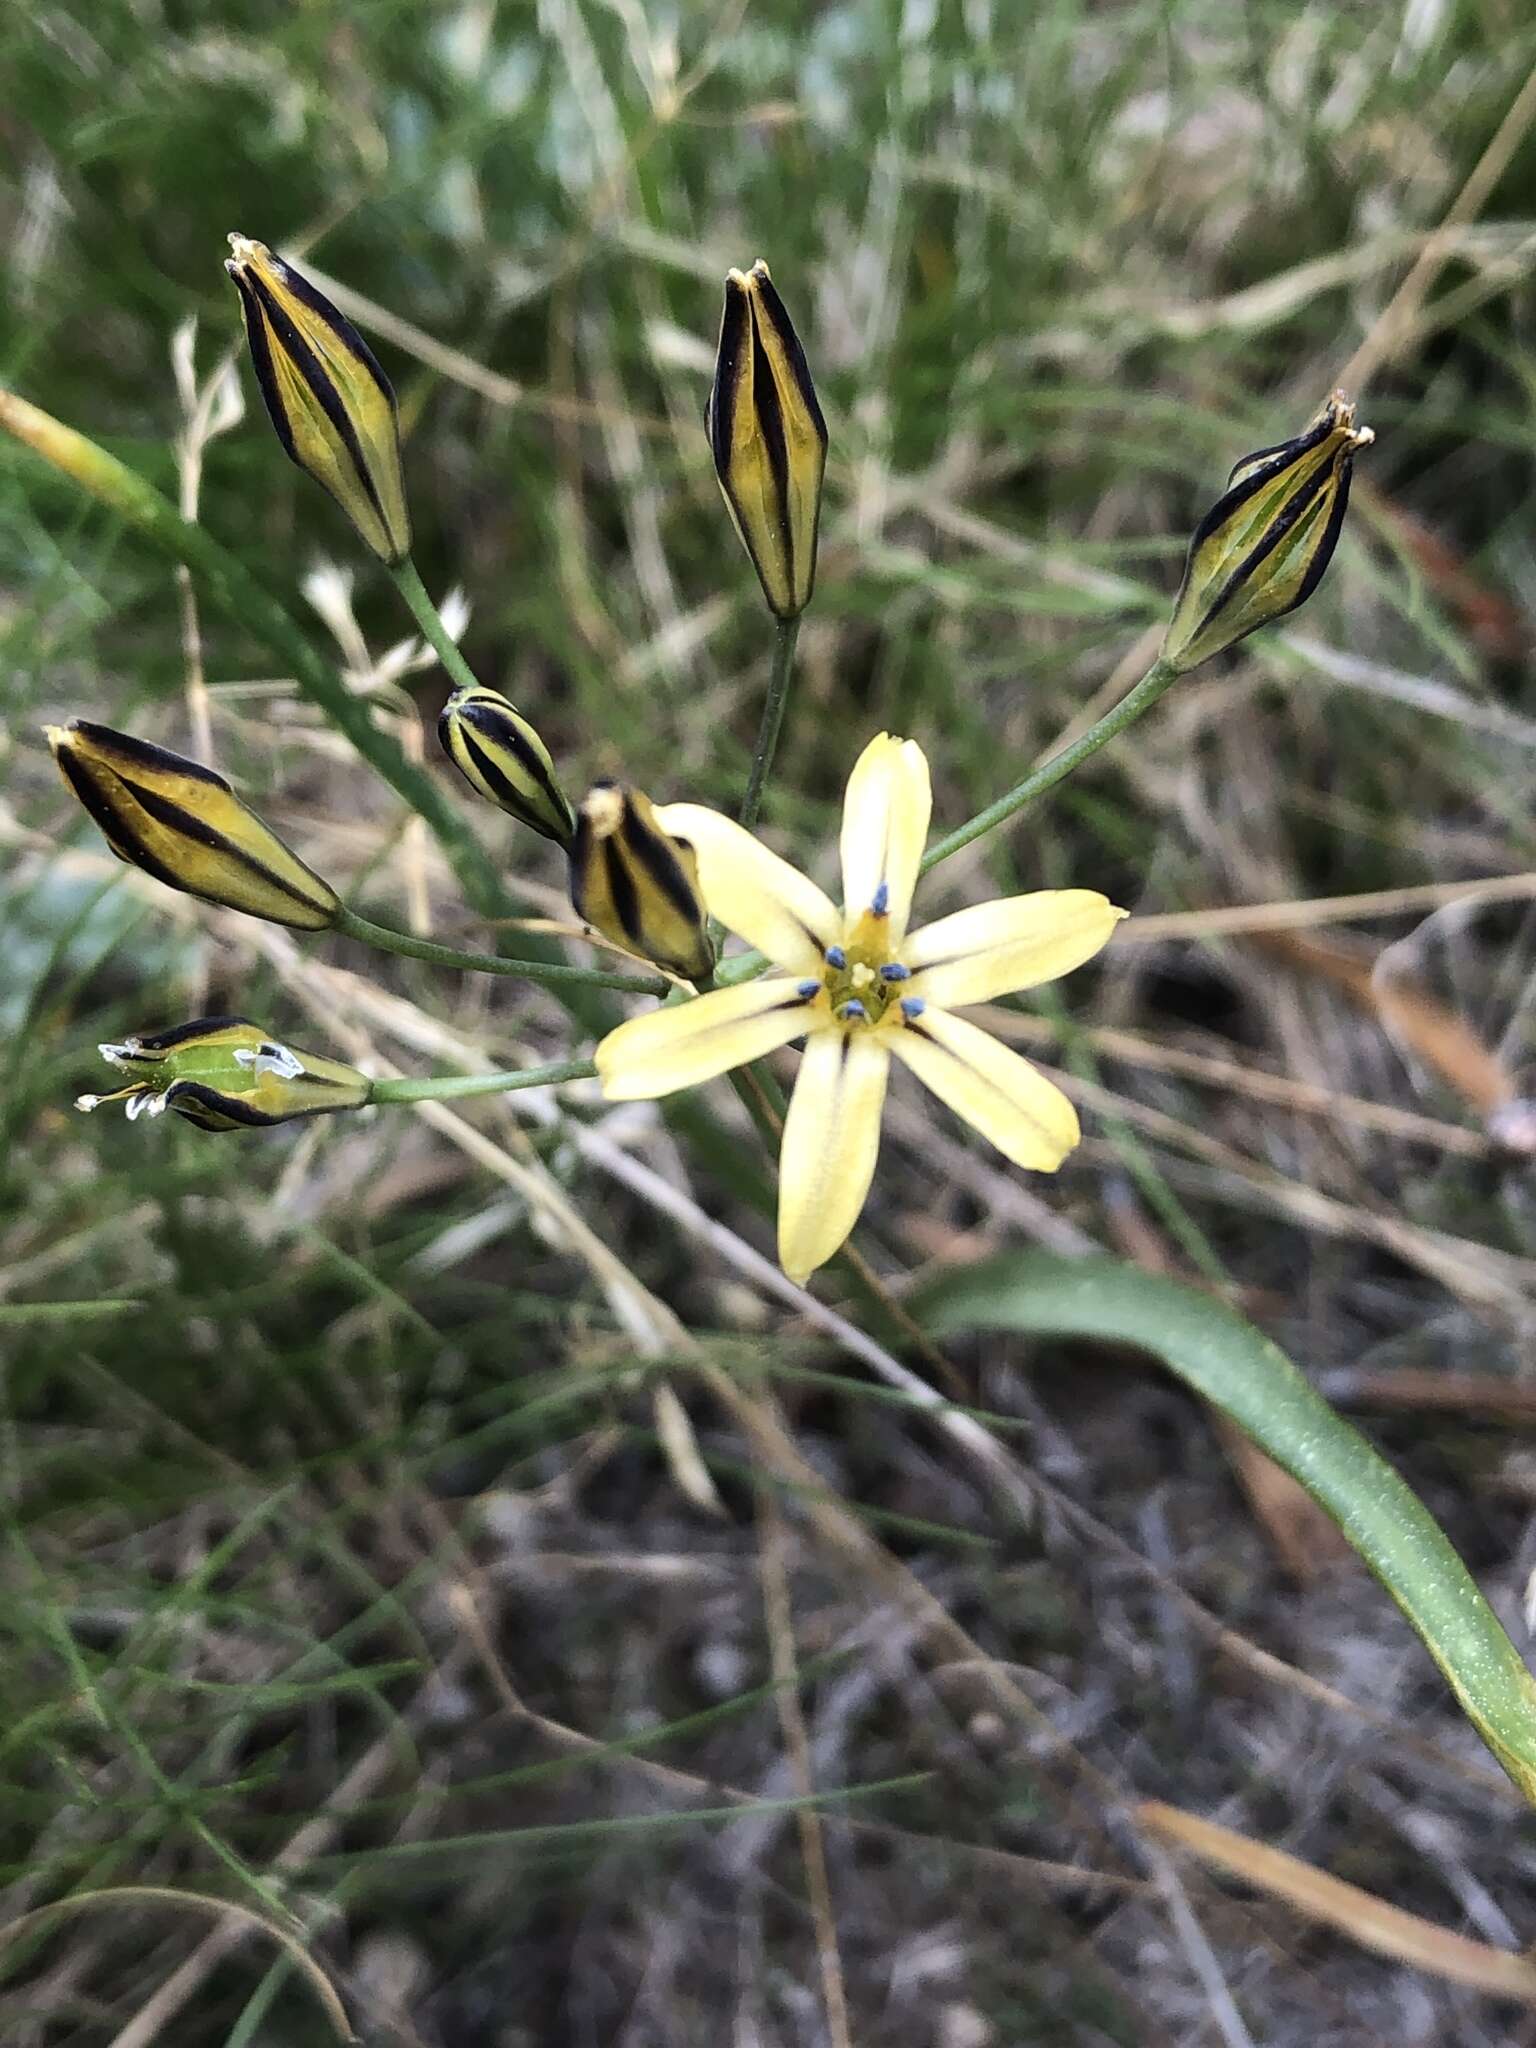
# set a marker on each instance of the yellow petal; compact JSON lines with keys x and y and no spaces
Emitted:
{"x":1017,"y":942}
{"x":885,"y":828}
{"x":690,"y":1042}
{"x":1026,"y":1117}
{"x":755,"y":894}
{"x":831,"y":1140}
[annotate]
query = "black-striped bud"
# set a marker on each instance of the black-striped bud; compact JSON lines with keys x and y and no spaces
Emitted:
{"x":184,"y":825}
{"x":332,"y":406}
{"x":637,"y":885}
{"x":1262,"y":548}
{"x":768,"y":439}
{"x":227,"y":1074}
{"x":503,"y":759}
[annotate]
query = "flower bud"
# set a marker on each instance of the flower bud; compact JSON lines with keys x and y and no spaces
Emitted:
{"x":638,"y":886}
{"x":1262,"y":548}
{"x":768,"y":438}
{"x":332,"y":405}
{"x":501,"y":757}
{"x":184,"y":825}
{"x":227,"y":1074}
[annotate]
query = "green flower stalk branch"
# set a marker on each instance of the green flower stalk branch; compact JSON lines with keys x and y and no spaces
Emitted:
{"x":1136,"y":703}
{"x":549,"y":974}
{"x":455,"y":1087}
{"x":774,"y":705}
{"x":408,"y":582}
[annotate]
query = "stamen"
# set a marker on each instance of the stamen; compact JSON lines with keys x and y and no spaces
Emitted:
{"x":894,"y":971}
{"x":806,"y":989}
{"x":854,"y":1011}
{"x":912,"y":1007}
{"x":837,"y":958}
{"x":882,"y":902}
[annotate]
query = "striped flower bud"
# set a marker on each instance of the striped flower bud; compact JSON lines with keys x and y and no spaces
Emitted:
{"x":184,"y":825}
{"x":331,"y":404}
{"x":768,"y":438}
{"x":227,"y":1074}
{"x":503,"y":759}
{"x":638,"y":886}
{"x":1262,"y":548}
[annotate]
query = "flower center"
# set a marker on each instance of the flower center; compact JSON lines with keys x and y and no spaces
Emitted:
{"x":862,"y":980}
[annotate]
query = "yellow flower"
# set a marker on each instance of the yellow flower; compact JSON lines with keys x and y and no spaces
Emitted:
{"x":768,"y":439}
{"x":860,"y":987}
{"x":331,"y":404}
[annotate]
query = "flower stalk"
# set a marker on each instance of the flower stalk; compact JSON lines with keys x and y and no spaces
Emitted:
{"x":772,"y":720}
{"x":407,"y":581}
{"x":552,"y":974}
{"x":455,"y":1087}
{"x":1137,"y":701}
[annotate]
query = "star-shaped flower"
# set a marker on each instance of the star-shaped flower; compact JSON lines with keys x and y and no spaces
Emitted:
{"x":860,"y":987}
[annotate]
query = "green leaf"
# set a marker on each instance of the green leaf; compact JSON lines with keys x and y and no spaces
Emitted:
{"x":1250,"y":1379}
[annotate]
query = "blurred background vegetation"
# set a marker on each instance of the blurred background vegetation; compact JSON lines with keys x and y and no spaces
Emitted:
{"x":346,"y":1575}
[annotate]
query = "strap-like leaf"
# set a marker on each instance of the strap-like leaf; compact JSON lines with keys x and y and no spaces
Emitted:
{"x":1250,"y":1379}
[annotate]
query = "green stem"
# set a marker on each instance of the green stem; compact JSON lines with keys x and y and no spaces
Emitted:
{"x":452,"y":1087}
{"x":1131,"y":706}
{"x":351,"y":926}
{"x":772,"y":719}
{"x":430,"y":620}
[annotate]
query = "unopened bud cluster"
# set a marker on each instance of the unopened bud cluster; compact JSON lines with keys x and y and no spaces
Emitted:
{"x":1258,"y":553}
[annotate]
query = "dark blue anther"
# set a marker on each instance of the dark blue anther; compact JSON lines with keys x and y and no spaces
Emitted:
{"x":882,"y":902}
{"x":894,"y":971}
{"x":855,"y":1012}
{"x":837,"y":958}
{"x":807,"y":989}
{"x":912,"y":1007}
